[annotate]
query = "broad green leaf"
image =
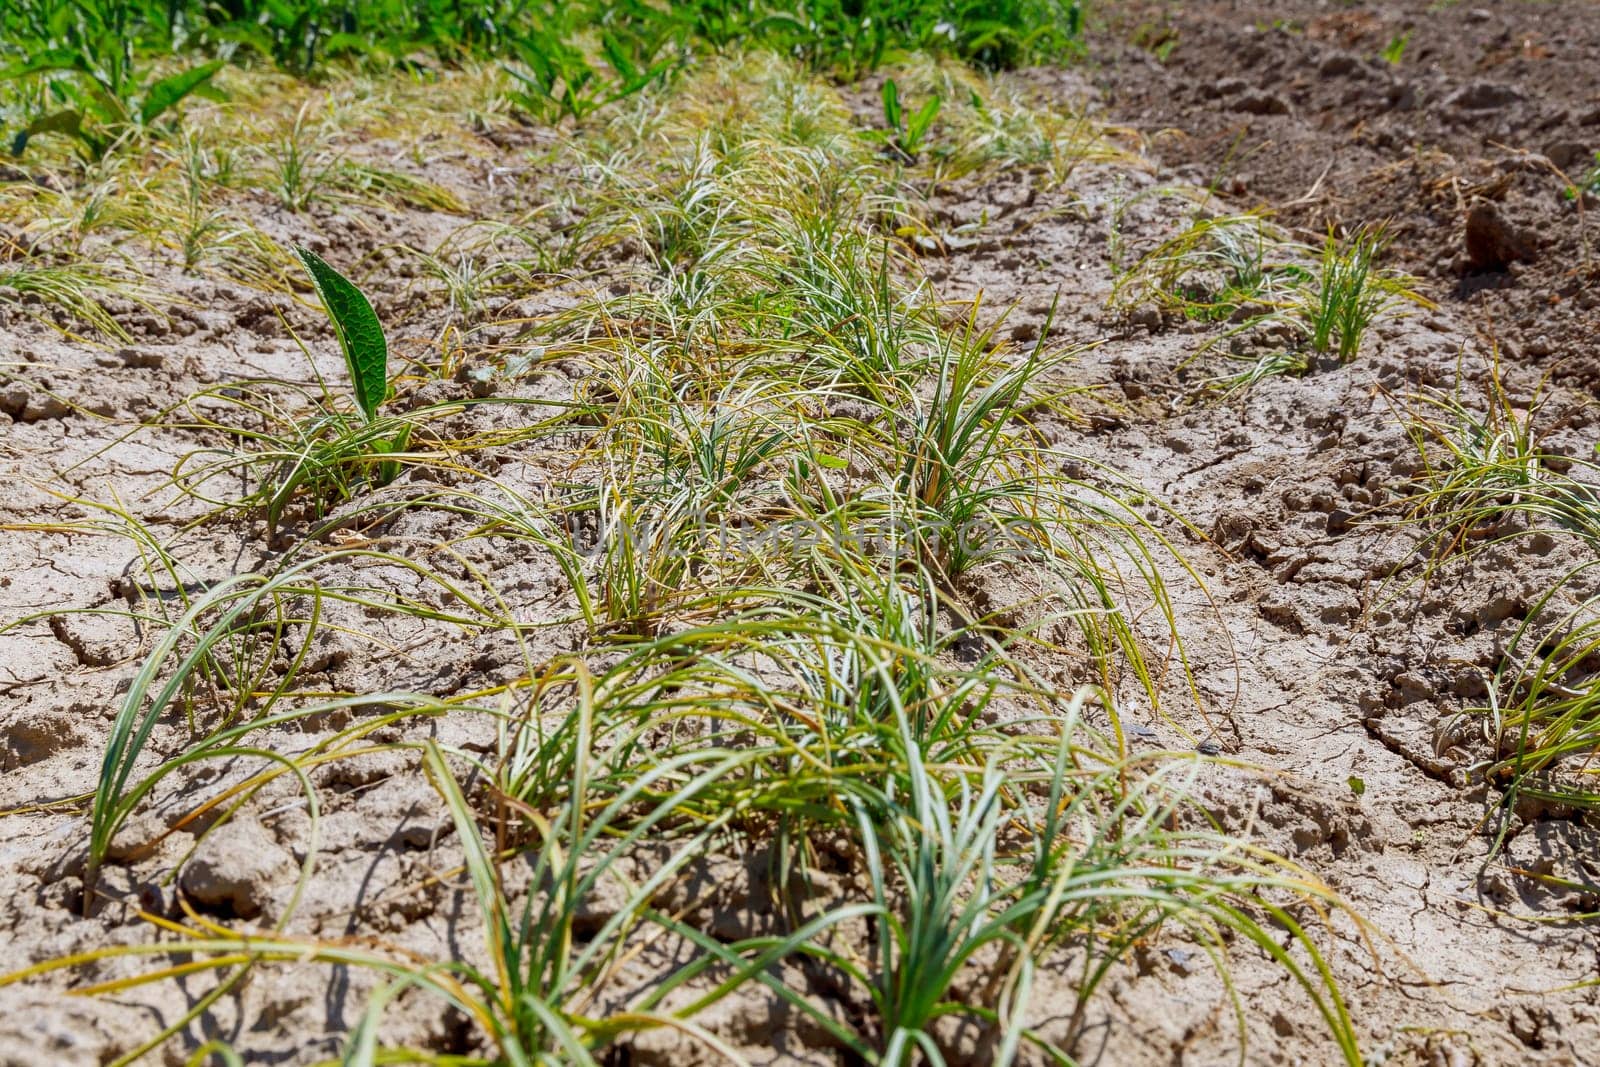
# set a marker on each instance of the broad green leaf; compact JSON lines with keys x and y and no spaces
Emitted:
{"x":48,"y":60}
{"x":366,"y":351}
{"x":68,"y":123}
{"x":168,"y":91}
{"x":347,"y":44}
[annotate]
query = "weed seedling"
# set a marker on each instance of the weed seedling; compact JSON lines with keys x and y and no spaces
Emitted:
{"x":1395,"y":50}
{"x":298,"y":172}
{"x":366,"y":350}
{"x":1482,"y":470}
{"x":1588,"y":184}
{"x":1543,"y":716}
{"x":1213,"y":270}
{"x":1351,"y":292}
{"x":907,"y":132}
{"x":327,"y":454}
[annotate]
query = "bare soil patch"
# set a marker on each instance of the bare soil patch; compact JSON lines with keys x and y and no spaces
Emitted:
{"x":1330,"y":667}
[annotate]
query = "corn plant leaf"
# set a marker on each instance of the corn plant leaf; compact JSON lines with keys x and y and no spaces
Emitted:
{"x":46,"y":60}
{"x":366,"y":351}
{"x":168,"y":91}
{"x":68,"y":123}
{"x":616,"y":54}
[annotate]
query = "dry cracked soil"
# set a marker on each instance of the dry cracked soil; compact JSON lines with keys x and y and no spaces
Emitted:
{"x":1324,"y":663}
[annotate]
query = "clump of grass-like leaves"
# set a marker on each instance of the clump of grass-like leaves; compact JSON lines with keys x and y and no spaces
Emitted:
{"x":1238,"y":269}
{"x":718,"y":730}
{"x":1543,"y":717}
{"x":1486,"y":473}
{"x":1351,"y":292}
{"x":785,"y":470}
{"x":1214,"y":269}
